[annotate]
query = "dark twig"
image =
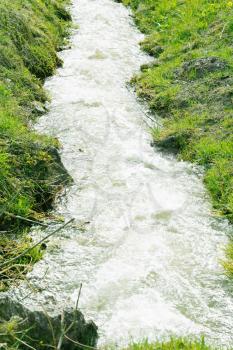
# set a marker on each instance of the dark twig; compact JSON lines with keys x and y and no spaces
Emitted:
{"x":62,"y":333}
{"x":80,"y":344}
{"x":75,"y":311}
{"x":26,"y":219}
{"x":79,"y":294}
{"x":35,"y":245}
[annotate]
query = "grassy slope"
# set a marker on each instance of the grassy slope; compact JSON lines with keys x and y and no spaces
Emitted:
{"x":190,"y":85}
{"x":31,"y":31}
{"x":173,"y":344}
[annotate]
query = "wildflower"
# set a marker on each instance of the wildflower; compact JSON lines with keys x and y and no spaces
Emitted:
{"x":230,"y":4}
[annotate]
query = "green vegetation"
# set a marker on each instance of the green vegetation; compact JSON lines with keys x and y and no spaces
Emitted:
{"x":41,"y":331}
{"x":11,"y":248}
{"x":11,"y":333}
{"x":190,"y":86}
{"x":172,"y":344}
{"x":31,"y":31}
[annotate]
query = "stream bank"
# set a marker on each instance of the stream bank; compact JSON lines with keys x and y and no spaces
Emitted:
{"x":31,"y":172}
{"x":144,"y":244}
{"x":189,"y":85}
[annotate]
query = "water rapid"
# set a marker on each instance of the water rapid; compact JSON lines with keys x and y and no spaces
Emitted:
{"x":144,"y":244}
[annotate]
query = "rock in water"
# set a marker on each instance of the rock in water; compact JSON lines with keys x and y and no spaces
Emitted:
{"x":45,"y":328}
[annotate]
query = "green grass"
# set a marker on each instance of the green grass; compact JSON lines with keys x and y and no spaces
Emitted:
{"x":196,"y":106}
{"x":31,"y":32}
{"x":10,"y":329}
{"x":172,"y":344}
{"x":13,"y":271}
{"x":192,"y":95}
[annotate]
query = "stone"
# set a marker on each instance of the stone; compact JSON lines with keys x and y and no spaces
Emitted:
{"x":169,"y":143}
{"x":38,"y":108}
{"x":47,"y":328}
{"x":200,"y":67}
{"x":57,"y":167}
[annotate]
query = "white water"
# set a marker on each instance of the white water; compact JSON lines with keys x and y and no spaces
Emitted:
{"x":149,"y":258}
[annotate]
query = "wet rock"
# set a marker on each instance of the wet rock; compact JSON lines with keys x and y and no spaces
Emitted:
{"x":173,"y":143}
{"x":199,"y":67}
{"x":38,"y":108}
{"x":57,"y":167}
{"x":59,"y":62}
{"x":169,"y":144}
{"x":45,"y":328}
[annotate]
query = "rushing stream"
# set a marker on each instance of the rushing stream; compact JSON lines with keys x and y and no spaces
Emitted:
{"x":144,"y":243}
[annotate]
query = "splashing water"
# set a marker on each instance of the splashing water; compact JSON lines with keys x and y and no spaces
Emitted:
{"x":148,"y":249}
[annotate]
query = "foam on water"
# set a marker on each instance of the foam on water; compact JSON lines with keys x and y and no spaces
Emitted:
{"x":148,"y":252}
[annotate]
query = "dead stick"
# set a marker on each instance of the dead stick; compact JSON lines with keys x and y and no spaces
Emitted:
{"x":26,"y":219}
{"x":75,"y":311}
{"x":79,"y":293}
{"x":62,"y":332}
{"x":80,"y":344}
{"x":36,"y":244}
